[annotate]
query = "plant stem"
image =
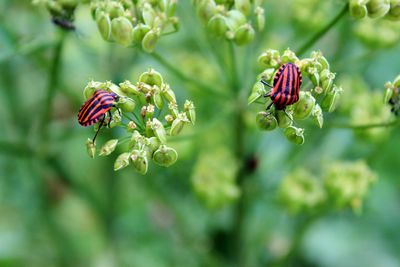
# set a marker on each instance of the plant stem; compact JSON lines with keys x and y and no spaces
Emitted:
{"x":203,"y":87}
{"x":54,"y":73}
{"x":323,"y":31}
{"x":365,"y":126}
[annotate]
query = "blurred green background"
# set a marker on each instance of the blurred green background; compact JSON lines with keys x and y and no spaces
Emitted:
{"x":58,"y":207}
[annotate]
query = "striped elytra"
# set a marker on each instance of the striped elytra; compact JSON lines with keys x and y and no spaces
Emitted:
{"x":95,"y":107}
{"x":286,"y":88}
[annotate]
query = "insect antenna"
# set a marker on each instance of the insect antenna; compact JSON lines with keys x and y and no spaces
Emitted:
{"x":266,"y":84}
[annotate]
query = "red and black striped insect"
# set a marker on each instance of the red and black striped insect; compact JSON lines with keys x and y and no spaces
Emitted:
{"x":286,"y":88}
{"x":96,"y":107}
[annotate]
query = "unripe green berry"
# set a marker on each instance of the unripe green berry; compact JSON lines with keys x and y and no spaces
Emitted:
{"x":284,"y":119}
{"x":178,"y":123}
{"x":128,"y":88}
{"x":260,"y":18}
{"x":244,"y":34}
{"x":150,"y":40}
{"x":153,"y":143}
{"x":304,"y":107}
{"x":104,"y":25}
{"x":114,"y":9}
{"x":318,"y":116}
{"x":235,"y":19}
{"x":122,"y":31}
{"x":151,"y":78}
{"x":91,"y":148}
{"x":217,"y":25}
{"x":243,"y":6}
{"x":358,"y":8}
{"x":139,"y":161}
{"x":127,"y":104}
{"x":168,"y":93}
{"x":394,"y":12}
{"x":189,"y":108}
{"x":139,"y":31}
{"x":295,"y":135}
{"x":330,"y":100}
{"x":122,"y":161}
{"x":266,"y":121}
{"x":159,"y":130}
{"x":158,"y":99}
{"x":206,"y":9}
{"x":289,"y":56}
{"x":108,"y":147}
{"x":378,"y":8}
{"x":165,"y":156}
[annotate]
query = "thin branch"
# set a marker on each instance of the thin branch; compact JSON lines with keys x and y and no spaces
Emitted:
{"x":323,"y":31}
{"x":202,"y":87}
{"x":364,"y":126}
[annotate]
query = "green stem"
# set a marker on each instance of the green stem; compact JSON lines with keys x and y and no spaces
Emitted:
{"x":54,"y":73}
{"x":323,"y":31}
{"x":203,"y":87}
{"x":365,"y":126}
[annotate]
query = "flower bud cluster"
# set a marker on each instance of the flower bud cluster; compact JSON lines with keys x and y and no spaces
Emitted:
{"x":139,"y":23}
{"x":149,"y":115}
{"x":213,"y":178}
{"x":382,"y":33}
{"x":392,"y":95}
{"x":389,"y":9}
{"x":341,"y":185}
{"x":231,"y":19}
{"x":322,"y":96}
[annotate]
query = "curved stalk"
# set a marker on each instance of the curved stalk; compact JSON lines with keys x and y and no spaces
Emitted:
{"x":323,"y":31}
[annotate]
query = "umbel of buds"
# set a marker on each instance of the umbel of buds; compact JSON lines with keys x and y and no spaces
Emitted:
{"x":392,"y":95}
{"x":139,"y":23}
{"x":389,"y":9}
{"x":232,"y":20}
{"x":322,"y":96}
{"x":341,"y":185}
{"x":149,"y":115}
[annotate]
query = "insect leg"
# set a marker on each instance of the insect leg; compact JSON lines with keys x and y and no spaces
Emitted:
{"x":109,"y":121}
{"x":101,"y":124}
{"x":268,"y":94}
{"x":266,"y":84}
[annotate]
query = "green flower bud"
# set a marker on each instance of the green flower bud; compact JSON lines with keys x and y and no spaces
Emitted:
{"x":304,"y":107}
{"x":173,"y":109}
{"x":131,"y":126}
{"x":235,"y":19}
{"x":260,"y":16}
{"x":108,"y":147}
{"x":109,"y":86}
{"x":114,"y":9}
{"x":116,"y":119}
{"x":318,"y":117}
{"x":169,"y":119}
{"x":153,"y":143}
{"x":136,"y":139}
{"x":138,"y":33}
{"x":243,"y":6}
{"x":91,"y":88}
{"x":122,"y":31}
{"x":295,"y":135}
{"x":122,"y":161}
{"x":190,"y":111}
{"x":91,"y":148}
{"x":165,"y":156}
{"x":127,"y":104}
{"x":168,"y":93}
{"x":289,"y":56}
{"x":284,"y":119}
{"x":159,"y":130}
{"x":148,"y":14}
{"x":150,"y":40}
{"x":104,"y":25}
{"x":358,"y":8}
{"x":54,"y":8}
{"x":151,"y":77}
{"x":149,"y":111}
{"x":171,"y":8}
{"x":158,"y":100}
{"x":139,"y":161}
{"x":266,"y":121}
{"x":244,"y":34}
{"x":394,"y":12}
{"x":378,"y":8}
{"x":267,"y":75}
{"x":217,"y":25}
{"x":270,"y":59}
{"x":178,"y":123}
{"x":330,"y":100}
{"x":327,"y":78}
{"x":314,"y":77}
{"x":206,"y":9}
{"x":128,"y":88}
{"x":388,"y":92}
{"x":257,"y":92}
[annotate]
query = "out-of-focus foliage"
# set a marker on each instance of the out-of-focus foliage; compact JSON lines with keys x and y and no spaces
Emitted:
{"x":237,"y":196}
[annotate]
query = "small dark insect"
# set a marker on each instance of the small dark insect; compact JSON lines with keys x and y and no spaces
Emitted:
{"x":95,"y":108}
{"x":286,"y":88}
{"x":63,"y":23}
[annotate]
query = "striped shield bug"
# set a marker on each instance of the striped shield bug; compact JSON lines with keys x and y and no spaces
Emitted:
{"x":286,"y":88}
{"x":95,"y":109}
